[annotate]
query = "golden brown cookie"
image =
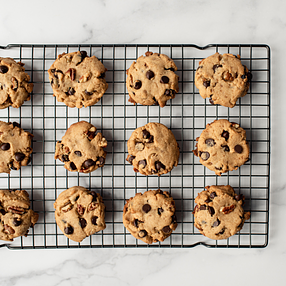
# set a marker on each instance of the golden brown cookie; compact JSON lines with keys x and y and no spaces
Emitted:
{"x":77,"y":79}
{"x":15,"y":147}
{"x":150,"y":216}
{"x":153,"y":149}
{"x":222,"y":146}
{"x":15,"y":214}
{"x":219,"y":213}
{"x":15,"y":88}
{"x":223,"y":79}
{"x":152,"y":80}
{"x":81,"y":148}
{"x":79,"y":213}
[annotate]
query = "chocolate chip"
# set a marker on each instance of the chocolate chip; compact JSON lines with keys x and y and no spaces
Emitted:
{"x":166,"y":229}
{"x":94,"y":195}
{"x":151,"y":139}
{"x":211,"y":101}
{"x":160,"y":210}
{"x":135,"y":222}
{"x":2,"y":211}
{"x":206,"y":83}
{"x":149,"y":74}
{"x":146,"y":208}
{"x":5,"y":146}
{"x":208,"y":201}
{"x":16,"y":124}
{"x":83,"y":54}
{"x":142,"y":233}
{"x":204,"y":155}
{"x":225,"y":134}
{"x":101,"y":160}
{"x":102,"y":75}
{"x":88,"y":92}
{"x":90,"y":135}
{"x":213,"y":195}
{"x":3,"y":69}
{"x":72,"y":166}
{"x":130,"y":159}
{"x":159,"y":166}
{"x":88,"y":163}
{"x":239,"y":197}
{"x":94,"y":219}
{"x":225,"y":148}
{"x":203,"y":207}
{"x":82,"y":222}
{"x":237,"y":149}
{"x":17,"y":222}
{"x":137,"y":84}
{"x":78,"y":153}
{"x":142,"y":162}
{"x":19,"y":156}
{"x":146,"y":134}
{"x":169,"y":92}
{"x":211,"y":211}
{"x":216,"y":223}
{"x":210,"y":142}
{"x":164,"y":79}
{"x":65,"y":158}
{"x":215,"y":67}
{"x":70,"y":91}
{"x":68,"y":230}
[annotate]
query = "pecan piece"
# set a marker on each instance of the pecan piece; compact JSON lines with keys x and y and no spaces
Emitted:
{"x":227,"y":76}
{"x":8,"y":229}
{"x":92,"y":206}
{"x":14,"y":83}
{"x":80,"y":209}
{"x":67,"y":207}
{"x":16,"y":210}
{"x":227,"y":210}
{"x":71,"y":73}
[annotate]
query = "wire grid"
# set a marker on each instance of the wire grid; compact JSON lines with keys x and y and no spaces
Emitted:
{"x":186,"y":115}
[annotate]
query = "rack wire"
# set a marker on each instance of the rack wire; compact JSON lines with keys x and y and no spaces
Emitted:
{"x":186,"y":115}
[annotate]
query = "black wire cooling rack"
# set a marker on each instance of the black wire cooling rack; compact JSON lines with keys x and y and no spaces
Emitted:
{"x":186,"y":115}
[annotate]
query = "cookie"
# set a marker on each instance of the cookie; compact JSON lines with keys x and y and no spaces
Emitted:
{"x":150,"y":216}
{"x":79,"y":213}
{"x":77,"y":79}
{"x":222,"y":146}
{"x":219,"y":213}
{"x":153,"y":149}
{"x":223,"y":79}
{"x":152,"y":80}
{"x":81,"y":148}
{"x":15,"y":88}
{"x":15,"y":147}
{"x":15,"y":214}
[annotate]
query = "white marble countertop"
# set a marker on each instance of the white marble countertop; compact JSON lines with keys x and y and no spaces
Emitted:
{"x":175,"y":22}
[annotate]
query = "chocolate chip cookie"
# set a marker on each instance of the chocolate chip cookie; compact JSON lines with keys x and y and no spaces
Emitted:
{"x":223,"y":79}
{"x":153,"y":149}
{"x":81,"y":148}
{"x":79,"y":213}
{"x":222,"y":146}
{"x":77,"y":79}
{"x":15,"y":147}
{"x":219,"y":213}
{"x":15,"y":214}
{"x":152,"y":80}
{"x":150,"y":216}
{"x":15,"y":88}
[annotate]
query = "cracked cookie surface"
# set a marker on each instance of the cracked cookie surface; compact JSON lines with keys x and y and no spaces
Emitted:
{"x":153,"y":149}
{"x":222,"y":146}
{"x":15,"y":88}
{"x":81,"y":148}
{"x":77,"y":79}
{"x":152,"y":79}
{"x":150,"y":216}
{"x":15,"y":147}
{"x":79,"y":213}
{"x":223,"y":79}
{"x":15,"y":214}
{"x":219,"y":213}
